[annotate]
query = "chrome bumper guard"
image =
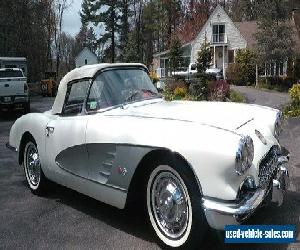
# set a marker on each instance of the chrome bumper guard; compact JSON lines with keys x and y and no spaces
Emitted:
{"x":220,"y":213}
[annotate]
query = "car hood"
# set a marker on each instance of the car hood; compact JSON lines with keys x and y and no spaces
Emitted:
{"x":230,"y":116}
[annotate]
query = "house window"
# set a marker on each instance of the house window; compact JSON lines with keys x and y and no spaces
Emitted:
{"x":218,"y":33}
{"x":281,"y":69}
{"x":230,"y":56}
{"x":273,"y":69}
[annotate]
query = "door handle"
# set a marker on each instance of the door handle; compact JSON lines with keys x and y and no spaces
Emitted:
{"x":49,"y":130}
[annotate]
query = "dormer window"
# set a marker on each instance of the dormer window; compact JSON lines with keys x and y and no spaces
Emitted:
{"x":218,"y":33}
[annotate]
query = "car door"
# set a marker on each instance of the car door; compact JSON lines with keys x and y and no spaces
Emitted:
{"x":65,"y":134}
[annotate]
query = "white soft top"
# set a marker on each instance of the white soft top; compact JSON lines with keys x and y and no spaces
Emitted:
{"x":87,"y":71}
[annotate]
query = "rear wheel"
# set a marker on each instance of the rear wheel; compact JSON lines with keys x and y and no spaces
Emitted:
{"x":35,"y":177}
{"x":174,"y":206}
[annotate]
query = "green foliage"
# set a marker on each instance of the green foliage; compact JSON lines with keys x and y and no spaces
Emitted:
{"x":130,"y":54}
{"x":235,"y":96}
{"x":175,"y":89}
{"x":109,"y":17}
{"x":276,"y":83}
{"x":204,"y":58}
{"x":234,"y":74}
{"x":295,"y":93}
{"x":242,"y":72}
{"x":199,"y":88}
{"x":293,"y":109}
{"x":175,"y":54}
{"x":274,"y":36}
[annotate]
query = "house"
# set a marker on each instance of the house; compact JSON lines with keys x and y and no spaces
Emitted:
{"x":14,"y":62}
{"x":225,"y":38}
{"x":85,"y":57}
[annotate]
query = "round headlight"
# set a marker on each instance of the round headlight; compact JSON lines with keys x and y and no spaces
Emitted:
{"x":278,"y":124}
{"x":244,"y":155}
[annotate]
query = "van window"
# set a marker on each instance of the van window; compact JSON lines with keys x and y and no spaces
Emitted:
{"x":10,"y":73}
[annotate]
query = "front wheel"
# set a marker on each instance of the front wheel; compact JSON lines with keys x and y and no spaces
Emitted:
{"x":32,"y":167}
{"x":174,"y":207}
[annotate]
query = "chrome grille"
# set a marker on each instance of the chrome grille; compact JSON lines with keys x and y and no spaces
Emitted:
{"x":268,"y":166}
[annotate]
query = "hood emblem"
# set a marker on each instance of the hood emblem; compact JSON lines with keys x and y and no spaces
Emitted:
{"x":261,"y":137}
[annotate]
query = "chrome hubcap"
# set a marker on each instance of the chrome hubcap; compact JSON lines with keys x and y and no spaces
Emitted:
{"x":169,"y":205}
{"x":33,"y":165}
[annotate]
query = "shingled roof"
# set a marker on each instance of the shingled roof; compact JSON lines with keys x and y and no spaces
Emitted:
{"x":249,"y":29}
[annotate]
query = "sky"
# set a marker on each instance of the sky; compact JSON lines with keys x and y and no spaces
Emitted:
{"x":71,"y":19}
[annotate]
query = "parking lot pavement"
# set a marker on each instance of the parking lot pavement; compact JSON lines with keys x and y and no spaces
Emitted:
{"x":65,"y":219}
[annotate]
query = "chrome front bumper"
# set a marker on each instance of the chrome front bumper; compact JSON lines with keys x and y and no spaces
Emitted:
{"x":220,"y":213}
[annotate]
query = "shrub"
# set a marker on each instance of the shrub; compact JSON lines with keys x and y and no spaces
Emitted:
{"x":234,"y":74}
{"x":235,"y":96}
{"x":242,"y":72}
{"x":199,"y":88}
{"x":276,"y":83}
{"x":293,"y":109}
{"x":175,"y":89}
{"x":218,"y":90}
{"x":295,"y":93}
{"x":180,"y":92}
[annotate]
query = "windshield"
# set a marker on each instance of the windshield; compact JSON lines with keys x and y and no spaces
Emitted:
{"x":10,"y":73}
{"x":120,"y":86}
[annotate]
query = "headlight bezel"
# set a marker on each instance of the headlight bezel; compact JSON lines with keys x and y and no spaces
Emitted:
{"x":244,"y":155}
{"x":278,"y":124}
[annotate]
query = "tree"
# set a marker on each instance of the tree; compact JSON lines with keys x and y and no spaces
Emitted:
{"x":193,"y":20}
{"x":199,"y":86}
{"x":243,"y":10}
{"x":85,"y":13}
{"x":274,"y":37}
{"x":67,"y":55}
{"x":243,"y":71}
{"x":106,"y":12}
{"x":60,"y":8}
{"x":124,"y":26}
{"x":204,"y":58}
{"x":28,"y":31}
{"x":175,"y":54}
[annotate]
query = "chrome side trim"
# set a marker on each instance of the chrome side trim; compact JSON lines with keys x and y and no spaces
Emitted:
{"x":14,"y":149}
{"x":101,"y":184}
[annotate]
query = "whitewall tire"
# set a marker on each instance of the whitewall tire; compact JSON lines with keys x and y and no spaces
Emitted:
{"x":174,"y":206}
{"x":32,"y":167}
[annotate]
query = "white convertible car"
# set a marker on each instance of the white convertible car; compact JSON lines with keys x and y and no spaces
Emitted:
{"x":111,"y":136}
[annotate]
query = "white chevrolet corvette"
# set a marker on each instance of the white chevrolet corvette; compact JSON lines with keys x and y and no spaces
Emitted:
{"x":110,"y":135}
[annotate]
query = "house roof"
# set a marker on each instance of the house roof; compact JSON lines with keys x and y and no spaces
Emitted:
{"x":85,"y":49}
{"x":165,"y":52}
{"x":248,"y":30}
